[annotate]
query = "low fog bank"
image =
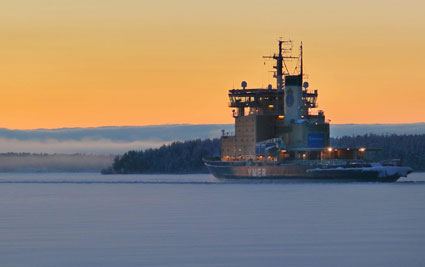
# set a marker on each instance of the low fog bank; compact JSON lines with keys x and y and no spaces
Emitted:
{"x":103,"y":140}
{"x":100,"y":146}
{"x":164,"y":133}
{"x":339,"y":130}
{"x":118,"y":140}
{"x":25,"y":162}
{"x":167,"y":132}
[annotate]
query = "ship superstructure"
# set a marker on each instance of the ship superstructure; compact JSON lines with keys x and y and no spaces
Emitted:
{"x":277,"y":122}
{"x":279,"y":135}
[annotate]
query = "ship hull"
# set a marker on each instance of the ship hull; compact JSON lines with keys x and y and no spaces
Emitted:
{"x":306,"y":173}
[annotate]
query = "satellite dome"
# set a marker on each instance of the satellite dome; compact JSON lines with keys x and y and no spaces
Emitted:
{"x":305,"y":85}
{"x":244,"y":84}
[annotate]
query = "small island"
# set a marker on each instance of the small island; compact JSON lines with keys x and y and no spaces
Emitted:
{"x":186,"y":157}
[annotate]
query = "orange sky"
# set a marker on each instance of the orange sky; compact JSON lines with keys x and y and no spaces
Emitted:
{"x":93,"y":63}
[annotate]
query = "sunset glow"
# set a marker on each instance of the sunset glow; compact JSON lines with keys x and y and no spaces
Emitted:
{"x":96,"y":63}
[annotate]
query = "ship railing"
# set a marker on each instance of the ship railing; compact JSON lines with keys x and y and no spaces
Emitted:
{"x":315,"y":162}
{"x":228,"y":134}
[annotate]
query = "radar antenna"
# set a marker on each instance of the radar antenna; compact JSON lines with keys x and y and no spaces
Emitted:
{"x":285,"y":47}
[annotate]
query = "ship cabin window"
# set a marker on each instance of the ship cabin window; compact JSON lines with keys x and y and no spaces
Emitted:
{"x":300,"y":155}
{"x":344,"y":154}
{"x":314,"y":155}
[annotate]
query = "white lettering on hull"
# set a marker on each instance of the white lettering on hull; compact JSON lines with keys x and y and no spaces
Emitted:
{"x":257,"y":172}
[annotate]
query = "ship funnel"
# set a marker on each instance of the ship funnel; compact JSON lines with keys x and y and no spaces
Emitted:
{"x":293,"y":98}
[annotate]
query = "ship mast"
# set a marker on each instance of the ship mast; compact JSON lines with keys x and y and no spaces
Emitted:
{"x":280,"y":63}
{"x":301,"y":56}
{"x":279,"y":68}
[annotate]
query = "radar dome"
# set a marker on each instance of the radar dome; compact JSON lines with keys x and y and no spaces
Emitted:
{"x":305,"y":85}
{"x":244,"y":84}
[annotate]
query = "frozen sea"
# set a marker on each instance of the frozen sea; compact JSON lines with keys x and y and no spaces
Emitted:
{"x":87,"y":219}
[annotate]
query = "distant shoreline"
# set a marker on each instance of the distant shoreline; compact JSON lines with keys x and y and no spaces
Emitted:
{"x":413,"y":152}
{"x":42,"y":162}
{"x":118,"y":140}
{"x":186,"y":157}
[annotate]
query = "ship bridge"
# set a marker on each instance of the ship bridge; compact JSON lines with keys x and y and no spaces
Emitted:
{"x":281,"y":113}
{"x":259,"y":101}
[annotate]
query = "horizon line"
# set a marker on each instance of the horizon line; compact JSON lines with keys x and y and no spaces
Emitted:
{"x":176,"y":124}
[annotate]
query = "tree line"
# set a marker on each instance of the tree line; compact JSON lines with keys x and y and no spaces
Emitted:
{"x":177,"y":157}
{"x":410,"y":149}
{"x":186,"y":157}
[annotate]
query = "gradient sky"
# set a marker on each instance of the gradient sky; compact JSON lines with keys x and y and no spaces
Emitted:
{"x":92,"y":63}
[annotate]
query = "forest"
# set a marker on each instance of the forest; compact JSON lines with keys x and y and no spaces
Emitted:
{"x":177,"y":158}
{"x":186,"y":157}
{"x":410,"y":149}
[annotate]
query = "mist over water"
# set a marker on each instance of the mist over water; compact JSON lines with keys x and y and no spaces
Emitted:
{"x":117,"y":140}
{"x":89,"y":146}
{"x":87,"y":219}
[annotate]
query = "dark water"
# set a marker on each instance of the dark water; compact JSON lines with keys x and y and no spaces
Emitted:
{"x":195,"y":220}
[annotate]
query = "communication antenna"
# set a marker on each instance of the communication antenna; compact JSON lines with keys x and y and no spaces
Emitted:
{"x":301,"y":58}
{"x":285,"y":47}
